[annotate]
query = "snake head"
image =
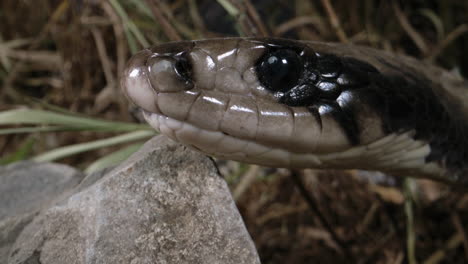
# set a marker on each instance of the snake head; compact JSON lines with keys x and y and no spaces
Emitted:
{"x":284,"y":103}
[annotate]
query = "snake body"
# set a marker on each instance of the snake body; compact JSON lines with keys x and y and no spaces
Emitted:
{"x":298,"y":104}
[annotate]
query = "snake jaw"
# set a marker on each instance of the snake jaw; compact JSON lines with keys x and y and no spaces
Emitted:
{"x":397,"y":153}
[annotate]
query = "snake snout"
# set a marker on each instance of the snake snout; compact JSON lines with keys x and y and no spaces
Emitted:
{"x":135,"y":83}
{"x":150,"y":73}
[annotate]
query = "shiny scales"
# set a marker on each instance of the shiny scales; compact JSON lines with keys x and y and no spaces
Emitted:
{"x":298,"y":104}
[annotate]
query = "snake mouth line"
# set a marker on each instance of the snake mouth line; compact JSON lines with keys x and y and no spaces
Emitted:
{"x":225,"y":146}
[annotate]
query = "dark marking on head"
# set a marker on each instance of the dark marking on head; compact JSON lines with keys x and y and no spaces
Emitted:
{"x":408,"y":103}
{"x":347,"y":120}
{"x":299,"y":96}
{"x":328,"y":65}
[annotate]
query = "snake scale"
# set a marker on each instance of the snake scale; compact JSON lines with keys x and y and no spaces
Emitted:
{"x":300,"y":104}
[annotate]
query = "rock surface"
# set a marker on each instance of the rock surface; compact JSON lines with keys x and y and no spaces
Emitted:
{"x":25,"y":189}
{"x":165,"y":204}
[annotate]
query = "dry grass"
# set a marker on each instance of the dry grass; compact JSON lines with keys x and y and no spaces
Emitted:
{"x":70,"y":54}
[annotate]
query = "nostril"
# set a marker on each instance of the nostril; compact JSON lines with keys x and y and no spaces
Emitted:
{"x":183,"y":68}
{"x":169,"y":73}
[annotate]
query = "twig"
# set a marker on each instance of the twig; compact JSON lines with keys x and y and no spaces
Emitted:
{"x":119,"y":32}
{"x":197,"y":20}
{"x":132,"y":31}
{"x":237,"y":10}
{"x":454,"y":241}
{"x":452,"y":36}
{"x":246,"y":181}
{"x":121,"y":49}
{"x":461,"y":230}
{"x":412,"y":33}
{"x":103,"y":57}
{"x":256,"y":18}
{"x":297,"y":22}
{"x":334,"y":21}
{"x":170,"y":32}
{"x":8,"y":84}
{"x":295,"y":175}
{"x":370,"y":215}
{"x":377,"y":249}
{"x":281,"y":212}
{"x":184,"y":30}
{"x":109,"y":93}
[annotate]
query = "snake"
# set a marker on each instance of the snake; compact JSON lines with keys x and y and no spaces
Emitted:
{"x":305,"y":104}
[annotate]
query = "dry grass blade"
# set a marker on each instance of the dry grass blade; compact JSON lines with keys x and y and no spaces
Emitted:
{"x":439,"y":255}
{"x":119,"y":32}
{"x":261,"y":27}
{"x":343,"y":247}
{"x":297,"y":22}
{"x":412,"y":33}
{"x":103,"y":57}
{"x":229,"y":7}
{"x":334,"y":21}
{"x":7,"y":47}
{"x":435,"y":20}
{"x":130,"y":28}
{"x":170,"y":31}
{"x":461,"y":230}
{"x":246,"y":180}
{"x":7,"y":85}
{"x":238,"y":10}
{"x":451,"y":37}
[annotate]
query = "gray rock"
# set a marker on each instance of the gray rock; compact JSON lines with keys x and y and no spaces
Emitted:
{"x":25,"y":189}
{"x":165,"y":204}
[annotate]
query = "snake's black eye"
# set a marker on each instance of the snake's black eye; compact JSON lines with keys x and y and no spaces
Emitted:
{"x":280,"y":70}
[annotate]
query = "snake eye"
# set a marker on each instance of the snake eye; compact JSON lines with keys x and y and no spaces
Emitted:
{"x":280,"y":70}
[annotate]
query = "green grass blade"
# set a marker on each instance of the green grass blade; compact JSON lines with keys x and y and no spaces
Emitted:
{"x":129,"y":23}
{"x":6,"y":131}
{"x":142,"y":8}
{"x":83,"y":147}
{"x":42,"y":104}
{"x":40,"y":117}
{"x":39,"y":129}
{"x":436,"y":21}
{"x":21,"y":154}
{"x":114,"y":158}
{"x":230,"y":8}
